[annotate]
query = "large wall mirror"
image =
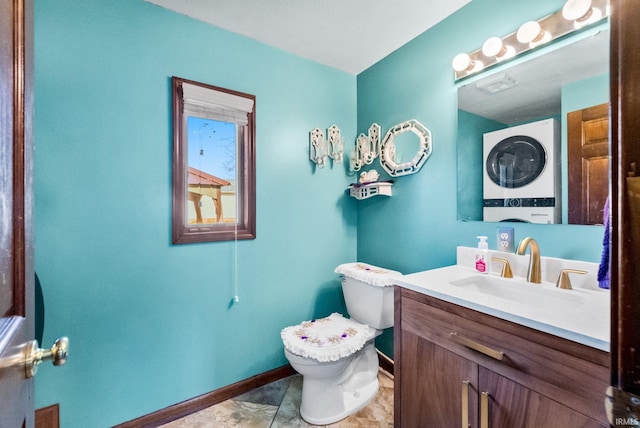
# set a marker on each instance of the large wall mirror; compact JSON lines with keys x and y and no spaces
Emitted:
{"x":559,"y":97}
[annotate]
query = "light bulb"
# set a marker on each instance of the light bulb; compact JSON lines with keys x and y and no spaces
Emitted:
{"x":493,"y":47}
{"x":531,"y":32}
{"x":574,"y":10}
{"x":462,"y":62}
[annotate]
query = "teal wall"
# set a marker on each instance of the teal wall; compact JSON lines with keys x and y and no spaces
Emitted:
{"x":417,"y":228}
{"x":150,"y":323}
{"x":471,"y":128}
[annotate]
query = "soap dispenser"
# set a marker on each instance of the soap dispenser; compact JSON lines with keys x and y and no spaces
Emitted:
{"x":482,"y":255}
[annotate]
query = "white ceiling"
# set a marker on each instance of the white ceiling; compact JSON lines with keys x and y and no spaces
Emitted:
{"x":349,"y":35}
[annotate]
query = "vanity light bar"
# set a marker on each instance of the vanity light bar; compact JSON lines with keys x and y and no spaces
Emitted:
{"x":574,"y":16}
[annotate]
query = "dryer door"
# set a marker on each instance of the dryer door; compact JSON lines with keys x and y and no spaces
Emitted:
{"x":515,"y":161}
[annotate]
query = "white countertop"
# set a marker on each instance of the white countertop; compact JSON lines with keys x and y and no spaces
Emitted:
{"x":581,"y":315}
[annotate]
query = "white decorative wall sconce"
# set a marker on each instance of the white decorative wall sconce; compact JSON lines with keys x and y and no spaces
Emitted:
{"x":336,"y":145}
{"x":575,"y":15}
{"x":366,"y":148}
{"x":320,"y":149}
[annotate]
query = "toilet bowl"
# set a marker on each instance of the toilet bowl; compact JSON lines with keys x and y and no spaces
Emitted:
{"x":335,"y":355}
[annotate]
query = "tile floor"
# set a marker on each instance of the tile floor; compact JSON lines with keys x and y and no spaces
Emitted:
{"x":277,"y":404}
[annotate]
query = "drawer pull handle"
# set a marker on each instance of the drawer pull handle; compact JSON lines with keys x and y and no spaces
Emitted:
{"x":484,"y":409}
{"x":498,"y":355}
{"x":465,"y":404}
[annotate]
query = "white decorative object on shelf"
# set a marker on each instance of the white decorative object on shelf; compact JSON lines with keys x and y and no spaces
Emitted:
{"x":388,"y":149}
{"x":369,"y":176}
{"x":366,"y":148}
{"x":364,"y":191}
{"x":320,"y":149}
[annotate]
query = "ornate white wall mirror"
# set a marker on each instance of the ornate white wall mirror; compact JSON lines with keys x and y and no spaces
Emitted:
{"x":405,"y":148}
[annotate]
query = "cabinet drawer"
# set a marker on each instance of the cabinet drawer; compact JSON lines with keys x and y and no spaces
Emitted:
{"x":570,"y":373}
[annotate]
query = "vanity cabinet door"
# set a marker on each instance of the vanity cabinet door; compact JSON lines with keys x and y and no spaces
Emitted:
{"x":531,"y":379}
{"x":509,"y":404}
{"x":438,"y":387}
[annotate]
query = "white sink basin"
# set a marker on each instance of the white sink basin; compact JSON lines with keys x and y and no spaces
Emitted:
{"x":521,"y":292}
{"x":581,"y":314}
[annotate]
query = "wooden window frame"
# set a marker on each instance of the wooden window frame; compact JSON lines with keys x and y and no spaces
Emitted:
{"x":245,"y":225}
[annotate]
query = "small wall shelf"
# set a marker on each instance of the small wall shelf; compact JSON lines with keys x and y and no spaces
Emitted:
{"x":364,"y":191}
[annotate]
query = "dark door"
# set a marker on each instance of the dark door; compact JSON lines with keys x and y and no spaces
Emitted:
{"x":588,"y":163}
{"x":16,"y":202}
{"x":625,"y":172}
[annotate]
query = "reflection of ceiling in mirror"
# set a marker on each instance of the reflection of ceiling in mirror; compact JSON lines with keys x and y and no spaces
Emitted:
{"x":538,"y":82}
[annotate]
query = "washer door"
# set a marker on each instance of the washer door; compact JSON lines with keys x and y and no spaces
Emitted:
{"x":515,"y":161}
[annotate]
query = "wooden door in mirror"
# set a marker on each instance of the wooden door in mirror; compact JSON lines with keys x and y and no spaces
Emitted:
{"x":588,"y":163}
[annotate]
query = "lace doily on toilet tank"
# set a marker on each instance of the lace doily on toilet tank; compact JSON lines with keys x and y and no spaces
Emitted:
{"x":325,"y":339}
{"x":368,"y":274}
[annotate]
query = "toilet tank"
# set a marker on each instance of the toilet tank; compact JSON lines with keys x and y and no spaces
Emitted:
{"x":368,"y":293}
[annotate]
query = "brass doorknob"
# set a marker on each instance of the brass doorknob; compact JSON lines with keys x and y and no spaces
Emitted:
{"x":34,"y":355}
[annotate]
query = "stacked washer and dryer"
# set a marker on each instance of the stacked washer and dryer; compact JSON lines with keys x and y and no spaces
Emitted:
{"x":521,"y":174}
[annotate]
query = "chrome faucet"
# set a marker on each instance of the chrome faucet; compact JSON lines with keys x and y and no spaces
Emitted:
{"x":533,"y":275}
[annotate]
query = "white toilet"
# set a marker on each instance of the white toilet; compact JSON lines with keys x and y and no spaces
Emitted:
{"x":336,"y":356}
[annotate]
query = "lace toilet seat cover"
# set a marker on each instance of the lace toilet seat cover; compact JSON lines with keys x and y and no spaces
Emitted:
{"x":326,"y":339}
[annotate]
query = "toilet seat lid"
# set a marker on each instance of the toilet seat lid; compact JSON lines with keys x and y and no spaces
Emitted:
{"x":369,"y":274}
{"x":326,"y":339}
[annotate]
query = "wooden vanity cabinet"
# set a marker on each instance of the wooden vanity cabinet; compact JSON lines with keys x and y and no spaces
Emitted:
{"x":448,"y":371}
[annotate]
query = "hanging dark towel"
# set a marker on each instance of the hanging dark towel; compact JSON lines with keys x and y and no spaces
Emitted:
{"x":39,"y":311}
{"x":604,"y":269}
